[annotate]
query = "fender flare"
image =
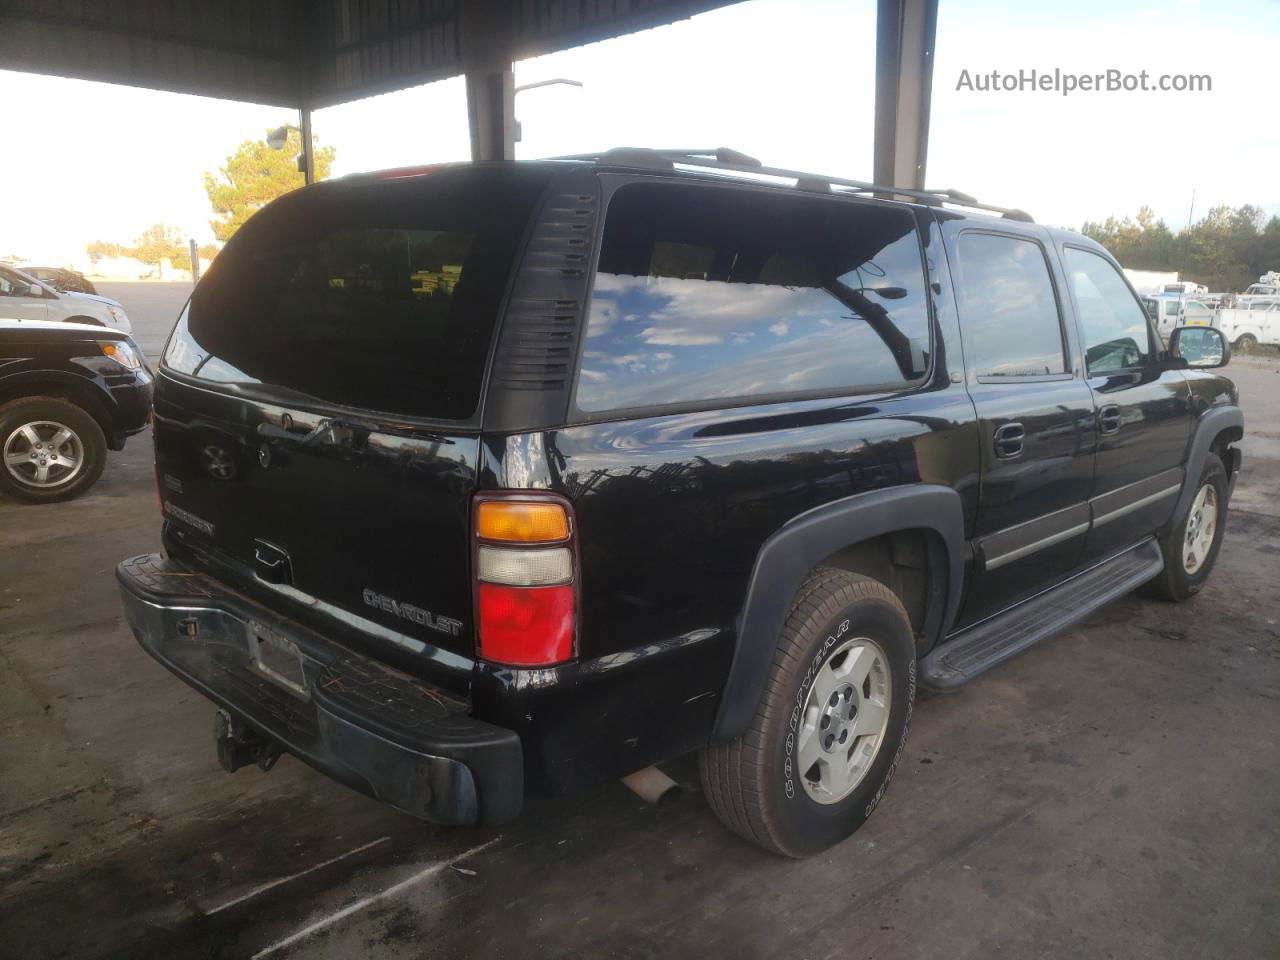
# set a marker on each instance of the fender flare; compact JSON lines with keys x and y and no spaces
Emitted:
{"x":802,"y":543}
{"x":81,"y":390}
{"x":1211,"y":423}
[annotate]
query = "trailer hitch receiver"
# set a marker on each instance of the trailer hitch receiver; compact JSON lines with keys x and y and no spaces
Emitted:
{"x":240,"y":745}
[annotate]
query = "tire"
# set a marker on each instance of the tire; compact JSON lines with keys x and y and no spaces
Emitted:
{"x":755,"y":783}
{"x":45,"y":418}
{"x":1179,"y":580}
{"x":1245,"y":343}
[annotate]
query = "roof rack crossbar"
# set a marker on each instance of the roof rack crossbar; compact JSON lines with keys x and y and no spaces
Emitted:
{"x":724,"y":158}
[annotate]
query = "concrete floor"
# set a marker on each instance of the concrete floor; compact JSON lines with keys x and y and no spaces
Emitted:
{"x":1114,"y":792}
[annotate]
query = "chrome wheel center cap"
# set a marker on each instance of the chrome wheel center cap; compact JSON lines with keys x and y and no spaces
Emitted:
{"x":838,"y":716}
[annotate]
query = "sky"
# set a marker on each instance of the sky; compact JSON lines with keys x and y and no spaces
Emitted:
{"x":789,"y":81}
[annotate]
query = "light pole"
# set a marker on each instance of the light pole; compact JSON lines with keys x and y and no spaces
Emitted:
{"x":519,"y":132}
{"x":278,"y":137}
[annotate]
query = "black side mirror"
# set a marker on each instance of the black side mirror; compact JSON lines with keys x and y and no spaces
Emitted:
{"x":1201,"y":348}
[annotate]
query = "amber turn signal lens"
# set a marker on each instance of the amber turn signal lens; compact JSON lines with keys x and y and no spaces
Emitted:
{"x":514,"y":521}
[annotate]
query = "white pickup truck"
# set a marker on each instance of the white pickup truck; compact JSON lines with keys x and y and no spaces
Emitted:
{"x":1267,"y":288}
{"x":1246,"y":327}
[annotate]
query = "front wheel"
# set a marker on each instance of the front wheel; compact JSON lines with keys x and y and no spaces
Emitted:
{"x":52,"y":450}
{"x":1191,"y":545}
{"x":825,"y":739}
{"x":1245,"y":343}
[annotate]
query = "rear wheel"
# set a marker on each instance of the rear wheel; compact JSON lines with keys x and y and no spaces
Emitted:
{"x":1191,"y":545}
{"x":825,"y":740}
{"x":1245,"y":343}
{"x":50,"y":450}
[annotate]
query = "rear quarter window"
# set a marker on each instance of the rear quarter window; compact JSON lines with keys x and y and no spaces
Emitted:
{"x":705,"y":295}
{"x":380,"y":296}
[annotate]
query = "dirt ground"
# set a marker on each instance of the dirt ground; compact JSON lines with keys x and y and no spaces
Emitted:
{"x":1114,"y":792}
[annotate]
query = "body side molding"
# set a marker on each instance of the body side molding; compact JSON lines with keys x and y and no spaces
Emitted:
{"x":805,"y":541}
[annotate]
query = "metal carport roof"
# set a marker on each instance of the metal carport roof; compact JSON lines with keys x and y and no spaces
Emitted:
{"x":310,"y":54}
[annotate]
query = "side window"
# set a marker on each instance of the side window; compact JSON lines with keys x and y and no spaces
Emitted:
{"x":1116,"y":334}
{"x":1174,"y":309}
{"x":1008,"y":310}
{"x":705,"y":294}
{"x":7,"y":281}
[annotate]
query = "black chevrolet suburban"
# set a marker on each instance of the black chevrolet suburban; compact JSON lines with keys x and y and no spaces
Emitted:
{"x":486,"y":479}
{"x":68,"y":393}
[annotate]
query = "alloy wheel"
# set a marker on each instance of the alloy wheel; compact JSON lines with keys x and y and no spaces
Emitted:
{"x":44,"y":454}
{"x":842,"y":726}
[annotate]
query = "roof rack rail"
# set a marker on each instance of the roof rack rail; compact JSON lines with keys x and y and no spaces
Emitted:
{"x":724,"y":158}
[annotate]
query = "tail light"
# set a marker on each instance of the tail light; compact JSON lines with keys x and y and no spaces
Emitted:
{"x":526,"y":579}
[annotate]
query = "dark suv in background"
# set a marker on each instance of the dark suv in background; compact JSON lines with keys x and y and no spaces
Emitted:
{"x":493,"y":478}
{"x":69,"y":392}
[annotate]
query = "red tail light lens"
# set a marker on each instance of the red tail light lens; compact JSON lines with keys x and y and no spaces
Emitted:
{"x":525,"y":626}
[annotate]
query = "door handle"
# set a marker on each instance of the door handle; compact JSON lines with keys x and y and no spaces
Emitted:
{"x":1008,"y":440}
{"x":1108,"y":419}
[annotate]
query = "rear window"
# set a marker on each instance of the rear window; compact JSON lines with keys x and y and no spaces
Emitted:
{"x":381,"y":296}
{"x":707,"y":294}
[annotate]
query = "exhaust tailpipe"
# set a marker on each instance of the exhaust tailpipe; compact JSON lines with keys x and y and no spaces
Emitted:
{"x":651,"y":785}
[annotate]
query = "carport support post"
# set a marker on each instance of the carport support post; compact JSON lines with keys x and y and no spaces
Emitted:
{"x":905,"y":35}
{"x":307,"y":157}
{"x":491,"y":112}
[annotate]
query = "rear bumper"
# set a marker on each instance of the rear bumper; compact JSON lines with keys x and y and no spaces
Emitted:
{"x":374,"y":728}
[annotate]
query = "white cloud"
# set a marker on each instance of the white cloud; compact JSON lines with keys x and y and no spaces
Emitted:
{"x":678,"y":337}
{"x":779,"y":329}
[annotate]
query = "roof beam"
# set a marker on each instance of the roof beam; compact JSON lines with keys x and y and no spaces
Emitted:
{"x":905,"y":36}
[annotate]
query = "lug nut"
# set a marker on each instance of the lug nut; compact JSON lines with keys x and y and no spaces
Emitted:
{"x":826,"y":722}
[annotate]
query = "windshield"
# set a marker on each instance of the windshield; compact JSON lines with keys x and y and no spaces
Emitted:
{"x":381,"y":295}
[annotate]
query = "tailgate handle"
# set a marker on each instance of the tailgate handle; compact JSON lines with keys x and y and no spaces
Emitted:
{"x":342,"y":430}
{"x":322,"y":432}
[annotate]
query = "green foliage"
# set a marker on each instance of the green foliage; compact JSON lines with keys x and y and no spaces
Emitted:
{"x":254,"y":176}
{"x":102,"y":248}
{"x":1226,"y":251}
{"x":159,"y":242}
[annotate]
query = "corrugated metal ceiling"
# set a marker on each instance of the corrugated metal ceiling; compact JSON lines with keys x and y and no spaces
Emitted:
{"x":291,"y":52}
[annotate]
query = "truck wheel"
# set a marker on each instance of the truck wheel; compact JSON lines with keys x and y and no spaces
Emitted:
{"x":1245,"y":343}
{"x":52,"y":450}
{"x":1191,"y":545}
{"x":831,"y":723}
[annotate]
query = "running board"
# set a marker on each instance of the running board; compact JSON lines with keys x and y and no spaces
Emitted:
{"x":973,"y":651}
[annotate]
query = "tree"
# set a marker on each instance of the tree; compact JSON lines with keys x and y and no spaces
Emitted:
{"x":1226,"y":251}
{"x":158,"y":243}
{"x":102,"y":248}
{"x":254,"y":176}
